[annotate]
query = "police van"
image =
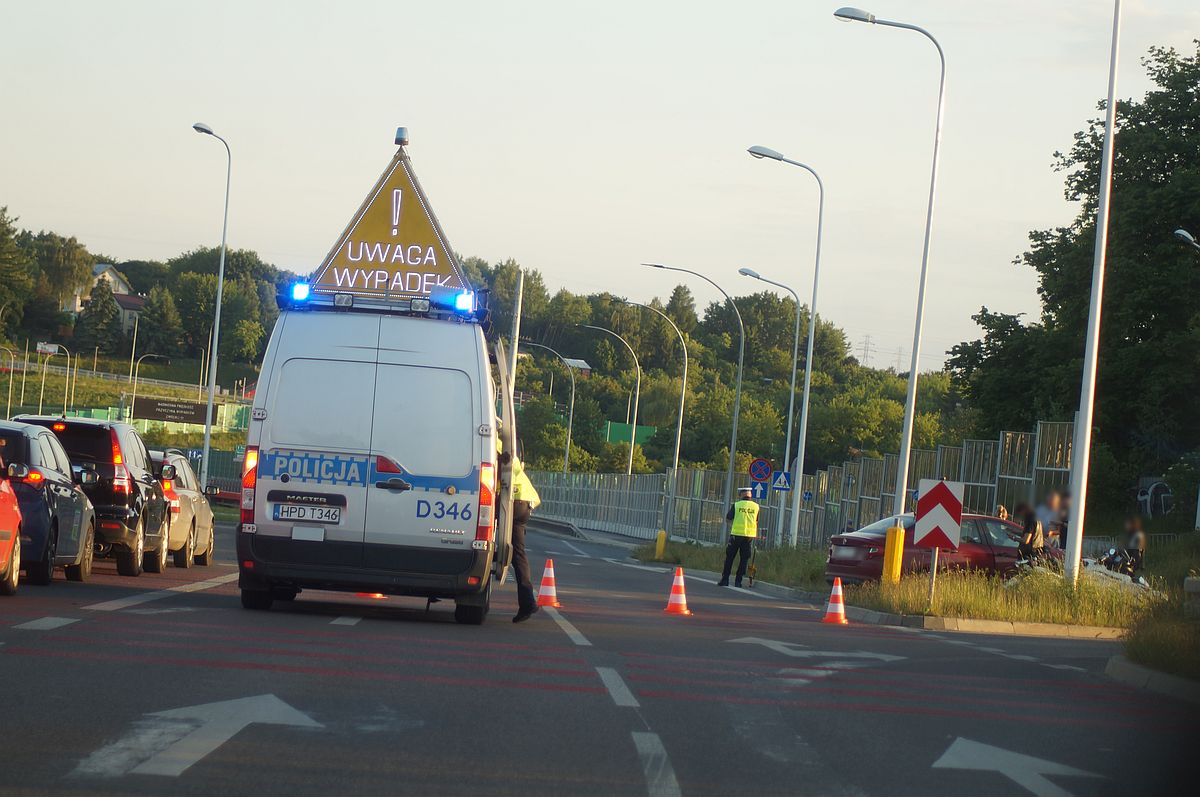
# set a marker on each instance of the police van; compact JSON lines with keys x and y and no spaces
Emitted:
{"x":371,"y":462}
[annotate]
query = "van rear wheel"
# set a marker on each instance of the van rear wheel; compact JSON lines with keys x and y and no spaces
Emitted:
{"x":257,"y":600}
{"x":472,"y":610}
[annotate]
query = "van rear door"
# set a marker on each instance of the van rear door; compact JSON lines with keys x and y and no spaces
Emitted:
{"x":426,"y":448}
{"x":315,"y":443}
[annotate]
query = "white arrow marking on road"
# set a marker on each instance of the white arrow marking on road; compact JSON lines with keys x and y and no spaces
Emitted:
{"x":793,"y":649}
{"x":1025,"y":770}
{"x":219,"y":722}
{"x":638,"y":567}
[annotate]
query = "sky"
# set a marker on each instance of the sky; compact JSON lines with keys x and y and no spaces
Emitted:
{"x":581,"y":139}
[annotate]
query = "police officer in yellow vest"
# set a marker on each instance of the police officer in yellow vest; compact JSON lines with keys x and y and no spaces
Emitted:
{"x":744,"y":514}
{"x":525,"y":500}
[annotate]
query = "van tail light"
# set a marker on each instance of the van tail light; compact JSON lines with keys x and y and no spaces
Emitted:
{"x":485,"y":526}
{"x":120,"y":482}
{"x":171,"y":496}
{"x":249,"y":482}
{"x":35,"y":478}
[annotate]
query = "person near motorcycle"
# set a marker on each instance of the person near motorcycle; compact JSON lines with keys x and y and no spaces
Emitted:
{"x":1032,"y":538}
{"x":1135,"y":543}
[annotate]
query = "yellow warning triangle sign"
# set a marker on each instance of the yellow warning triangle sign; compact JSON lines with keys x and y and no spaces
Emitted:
{"x":393,"y":246}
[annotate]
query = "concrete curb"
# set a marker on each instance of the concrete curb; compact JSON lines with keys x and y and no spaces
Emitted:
{"x":983,"y":626}
{"x":555,"y":527}
{"x":1122,"y":669}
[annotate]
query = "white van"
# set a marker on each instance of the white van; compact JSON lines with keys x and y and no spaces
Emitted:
{"x":371,"y":461}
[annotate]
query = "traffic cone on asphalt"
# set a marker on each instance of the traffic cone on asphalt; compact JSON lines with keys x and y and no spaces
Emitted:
{"x":835,"y":612}
{"x":677,"y":603}
{"x":547,"y":596}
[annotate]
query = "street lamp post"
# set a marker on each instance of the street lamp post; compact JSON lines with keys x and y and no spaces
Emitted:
{"x":787,"y":446}
{"x":137,"y":368}
{"x":66,"y":377}
{"x":802,"y":438}
{"x":42,"y":392}
{"x":910,"y":404}
{"x":679,"y":420}
{"x":570,"y":407}
{"x":1081,"y":446}
{"x":200,"y":127}
{"x":1187,"y":238}
{"x":12,"y":367}
{"x":737,"y":391}
{"x":637,"y":391}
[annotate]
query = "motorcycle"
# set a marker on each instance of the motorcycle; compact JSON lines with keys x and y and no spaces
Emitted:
{"x":1121,"y":562}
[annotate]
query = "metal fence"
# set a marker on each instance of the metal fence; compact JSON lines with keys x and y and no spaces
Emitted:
{"x":1015,"y":468}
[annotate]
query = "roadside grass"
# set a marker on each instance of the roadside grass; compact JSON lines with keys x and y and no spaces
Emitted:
{"x":1163,"y":638}
{"x":225,"y":513}
{"x":801,"y":568}
{"x":1036,"y":598}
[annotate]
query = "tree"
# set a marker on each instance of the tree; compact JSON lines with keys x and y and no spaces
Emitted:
{"x":1149,"y":356}
{"x":16,"y":278}
{"x":242,"y":342}
{"x":99,"y":322}
{"x":64,"y":262}
{"x":681,"y":307}
{"x":159,"y":326}
{"x":197,"y":295}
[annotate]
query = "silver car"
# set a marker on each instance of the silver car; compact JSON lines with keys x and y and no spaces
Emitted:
{"x":191,"y":538}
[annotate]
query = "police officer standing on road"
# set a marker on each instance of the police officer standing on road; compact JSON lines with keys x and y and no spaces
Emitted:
{"x":525,"y":500}
{"x":744,"y":514}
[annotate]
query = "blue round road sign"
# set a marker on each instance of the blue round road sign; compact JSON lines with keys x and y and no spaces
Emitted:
{"x":760,"y":470}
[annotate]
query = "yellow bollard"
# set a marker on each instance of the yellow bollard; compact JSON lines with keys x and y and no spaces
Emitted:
{"x":660,"y":545}
{"x":893,"y":554}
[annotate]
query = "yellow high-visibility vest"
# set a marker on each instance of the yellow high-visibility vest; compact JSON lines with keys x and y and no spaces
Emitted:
{"x":523,"y":489}
{"x":745,"y":519}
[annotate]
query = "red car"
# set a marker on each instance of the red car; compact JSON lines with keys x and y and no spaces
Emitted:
{"x":10,"y":529}
{"x":987,"y":543}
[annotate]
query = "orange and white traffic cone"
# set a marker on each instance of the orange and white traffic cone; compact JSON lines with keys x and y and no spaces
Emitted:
{"x":547,"y":596}
{"x":677,"y":603}
{"x":835,"y":612}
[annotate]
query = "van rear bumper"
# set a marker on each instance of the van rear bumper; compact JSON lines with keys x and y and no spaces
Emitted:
{"x":267,"y":562}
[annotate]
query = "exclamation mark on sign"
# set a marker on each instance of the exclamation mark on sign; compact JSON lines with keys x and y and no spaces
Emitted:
{"x":396,"y":194}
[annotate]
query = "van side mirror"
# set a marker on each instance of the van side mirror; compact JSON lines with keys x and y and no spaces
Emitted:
{"x":18,"y":470}
{"x":88,"y":477}
{"x":212,"y":489}
{"x":168,"y":472}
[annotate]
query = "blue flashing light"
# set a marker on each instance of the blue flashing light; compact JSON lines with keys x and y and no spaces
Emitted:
{"x":300,"y":291}
{"x":464,"y":302}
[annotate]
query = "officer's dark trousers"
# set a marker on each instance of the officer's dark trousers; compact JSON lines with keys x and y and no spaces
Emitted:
{"x":520,"y":562}
{"x":737,"y":545}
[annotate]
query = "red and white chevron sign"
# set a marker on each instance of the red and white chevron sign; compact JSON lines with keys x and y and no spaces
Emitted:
{"x":939,"y":514}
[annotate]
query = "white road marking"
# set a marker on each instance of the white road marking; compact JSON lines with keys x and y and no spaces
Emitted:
{"x":571,"y":631}
{"x":639,"y":567}
{"x":1019,"y":656}
{"x":146,"y":597}
{"x":955,"y":641}
{"x":345,"y":621}
{"x":793,"y":649}
{"x":168,"y":742}
{"x":220,"y":722}
{"x":47,"y":623}
{"x":616,"y":687}
{"x":745,"y":591}
{"x":577,"y":550}
{"x":660,"y":777}
{"x":1024,"y":770}
{"x":1070,"y":667}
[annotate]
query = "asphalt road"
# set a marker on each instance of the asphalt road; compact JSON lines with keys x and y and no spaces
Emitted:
{"x":164,"y":684}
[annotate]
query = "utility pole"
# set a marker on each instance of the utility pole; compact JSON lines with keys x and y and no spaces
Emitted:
{"x":866,"y":351}
{"x":516,"y":329}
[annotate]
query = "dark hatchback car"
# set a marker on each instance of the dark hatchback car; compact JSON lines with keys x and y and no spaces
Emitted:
{"x":131,"y":509}
{"x":58,"y":523}
{"x":987,"y":543}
